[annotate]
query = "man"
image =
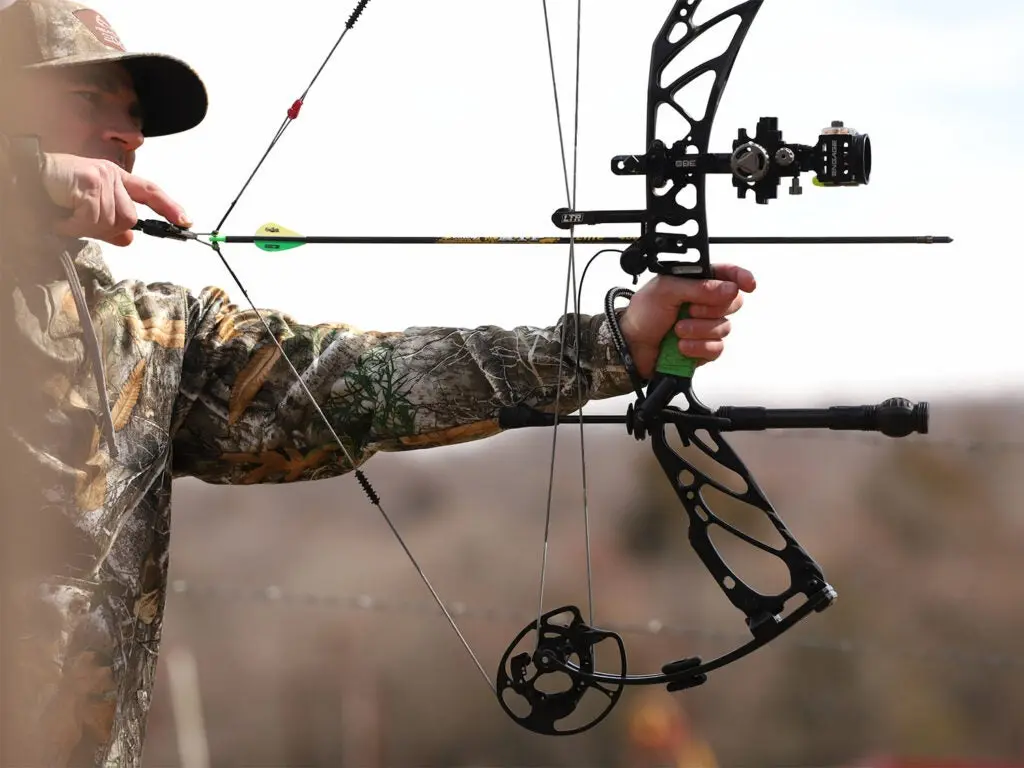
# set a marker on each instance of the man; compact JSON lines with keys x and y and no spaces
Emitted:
{"x":110,"y":389}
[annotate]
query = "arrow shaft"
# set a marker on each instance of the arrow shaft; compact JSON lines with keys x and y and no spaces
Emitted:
{"x":372,"y":240}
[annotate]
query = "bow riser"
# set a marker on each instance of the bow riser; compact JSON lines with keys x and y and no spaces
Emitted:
{"x":677,"y":168}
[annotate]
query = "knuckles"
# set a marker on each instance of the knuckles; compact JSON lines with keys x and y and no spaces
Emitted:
{"x":704,"y":290}
{"x":93,"y":177}
{"x":703,"y":330}
{"x":95,"y":190}
{"x":90,"y":180}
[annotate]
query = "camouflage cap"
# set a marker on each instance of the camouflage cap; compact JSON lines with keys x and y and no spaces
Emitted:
{"x":40,"y":34}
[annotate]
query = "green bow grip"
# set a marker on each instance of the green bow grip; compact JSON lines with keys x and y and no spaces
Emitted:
{"x":671,"y":361}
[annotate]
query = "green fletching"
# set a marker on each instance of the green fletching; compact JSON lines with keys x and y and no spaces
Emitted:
{"x":276,"y":245}
{"x":271,"y":230}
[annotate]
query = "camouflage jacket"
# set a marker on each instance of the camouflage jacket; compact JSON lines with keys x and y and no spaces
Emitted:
{"x":197,"y":389}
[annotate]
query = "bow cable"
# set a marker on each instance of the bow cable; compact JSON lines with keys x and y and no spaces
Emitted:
{"x":570,"y":285}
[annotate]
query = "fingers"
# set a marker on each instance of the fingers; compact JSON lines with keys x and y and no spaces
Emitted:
{"x":149,"y":194}
{"x":94,"y":192}
{"x":711,"y":298}
{"x":743,"y":278}
{"x":702,"y":339}
{"x":703,"y":330}
{"x":125,"y":238}
{"x":703,"y":350}
{"x":102,"y":198}
{"x":721,"y":294}
{"x":123,"y":203}
{"x":714,"y":311}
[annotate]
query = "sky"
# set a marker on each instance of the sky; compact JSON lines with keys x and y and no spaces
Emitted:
{"x":438,"y":119}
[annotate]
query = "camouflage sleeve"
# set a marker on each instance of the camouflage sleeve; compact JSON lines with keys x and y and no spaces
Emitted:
{"x":243,"y":419}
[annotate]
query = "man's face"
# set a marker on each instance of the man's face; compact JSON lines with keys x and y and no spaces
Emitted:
{"x":89,"y":111}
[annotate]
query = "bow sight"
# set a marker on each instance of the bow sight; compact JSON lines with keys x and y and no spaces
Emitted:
{"x":840,"y":158}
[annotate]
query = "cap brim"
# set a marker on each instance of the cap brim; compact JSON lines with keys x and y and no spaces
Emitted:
{"x":172,"y":95}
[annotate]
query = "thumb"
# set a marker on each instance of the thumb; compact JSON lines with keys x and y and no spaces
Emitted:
{"x":58,"y":176}
{"x":123,"y":239}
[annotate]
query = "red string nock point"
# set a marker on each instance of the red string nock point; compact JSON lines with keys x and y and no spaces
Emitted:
{"x":293,"y":110}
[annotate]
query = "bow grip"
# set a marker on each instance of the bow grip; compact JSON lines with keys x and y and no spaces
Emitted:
{"x":671,"y":361}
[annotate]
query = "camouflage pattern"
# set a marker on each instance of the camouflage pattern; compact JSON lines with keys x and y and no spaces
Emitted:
{"x":198,"y":389}
{"x":40,"y":34}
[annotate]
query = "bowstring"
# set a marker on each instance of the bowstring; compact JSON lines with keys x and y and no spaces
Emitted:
{"x":577,"y":294}
{"x":364,"y":482}
{"x":293,"y":112}
{"x":571,"y":288}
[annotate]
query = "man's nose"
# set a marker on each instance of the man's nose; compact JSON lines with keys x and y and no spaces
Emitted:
{"x":127,"y":131}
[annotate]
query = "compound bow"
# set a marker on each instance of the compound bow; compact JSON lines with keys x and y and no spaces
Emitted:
{"x":675,"y":182}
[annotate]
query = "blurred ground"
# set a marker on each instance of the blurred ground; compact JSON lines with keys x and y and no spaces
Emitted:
{"x":920,"y":657}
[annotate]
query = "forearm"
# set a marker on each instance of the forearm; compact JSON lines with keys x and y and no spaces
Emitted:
{"x":248,"y":421}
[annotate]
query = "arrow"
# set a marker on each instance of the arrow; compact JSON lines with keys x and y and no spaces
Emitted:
{"x":274,"y":237}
